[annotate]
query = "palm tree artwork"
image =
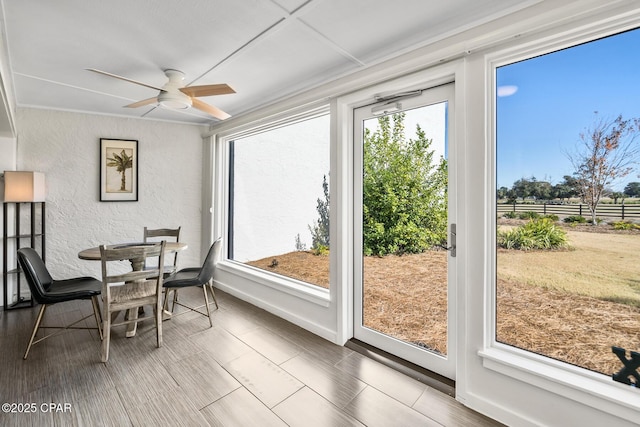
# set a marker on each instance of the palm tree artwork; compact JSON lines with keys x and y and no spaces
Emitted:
{"x":121,"y":162}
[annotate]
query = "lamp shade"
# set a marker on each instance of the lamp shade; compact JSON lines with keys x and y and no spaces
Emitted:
{"x":23,"y":186}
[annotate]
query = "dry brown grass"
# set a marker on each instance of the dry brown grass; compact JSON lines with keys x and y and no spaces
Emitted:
{"x":406,"y":297}
{"x":568,"y":327}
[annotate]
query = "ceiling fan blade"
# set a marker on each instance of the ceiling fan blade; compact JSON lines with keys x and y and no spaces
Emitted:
{"x":207,"y":90}
{"x":210,"y":109}
{"x":122,"y":78}
{"x":142,"y":103}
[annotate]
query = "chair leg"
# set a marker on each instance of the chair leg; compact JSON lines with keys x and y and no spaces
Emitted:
{"x":175,"y":299}
{"x":98,"y":315}
{"x":106,"y":332}
{"x":36,"y":326}
{"x":133,"y":326}
{"x":213,"y":294}
{"x":165,"y":303}
{"x":206,"y":304}
{"x":159,"y":313}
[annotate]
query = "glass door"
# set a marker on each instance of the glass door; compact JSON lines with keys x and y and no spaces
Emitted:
{"x":405,"y":228}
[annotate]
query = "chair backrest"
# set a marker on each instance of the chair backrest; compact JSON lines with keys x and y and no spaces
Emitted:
{"x":167,"y":234}
{"x":209,"y":265}
{"x":36,"y":273}
{"x":112,"y":271}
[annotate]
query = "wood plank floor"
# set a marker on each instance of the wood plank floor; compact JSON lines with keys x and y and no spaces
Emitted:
{"x":250,"y":369}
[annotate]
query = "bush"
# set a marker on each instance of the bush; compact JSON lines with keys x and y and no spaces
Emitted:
{"x":404,"y":191}
{"x":299,"y":245}
{"x":528,"y":215}
{"x":624,"y":225}
{"x":321,"y":250}
{"x":575,"y":219}
{"x":510,"y":215}
{"x":552,"y":217}
{"x":320,"y":229}
{"x":539,"y":233}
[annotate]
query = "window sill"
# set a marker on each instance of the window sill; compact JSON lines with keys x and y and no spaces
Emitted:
{"x":583,"y":386}
{"x":308,"y":292}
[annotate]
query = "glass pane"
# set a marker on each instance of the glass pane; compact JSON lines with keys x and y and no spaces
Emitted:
{"x":279,"y":200}
{"x":568,"y":218}
{"x":404,"y":224}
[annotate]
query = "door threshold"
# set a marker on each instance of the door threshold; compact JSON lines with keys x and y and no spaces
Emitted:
{"x":429,"y":378}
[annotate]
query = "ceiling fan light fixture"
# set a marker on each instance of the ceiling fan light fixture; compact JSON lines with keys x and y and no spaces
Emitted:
{"x":174,"y":100}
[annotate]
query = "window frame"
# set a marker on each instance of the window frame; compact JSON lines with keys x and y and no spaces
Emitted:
{"x":579,"y":384}
{"x":303,"y":290}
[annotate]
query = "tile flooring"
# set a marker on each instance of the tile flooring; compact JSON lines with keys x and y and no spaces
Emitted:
{"x":250,"y":369}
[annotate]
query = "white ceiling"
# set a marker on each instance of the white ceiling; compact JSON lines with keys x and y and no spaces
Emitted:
{"x":264,"y":49}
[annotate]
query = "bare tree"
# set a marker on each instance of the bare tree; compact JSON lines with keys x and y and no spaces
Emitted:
{"x":605,"y":152}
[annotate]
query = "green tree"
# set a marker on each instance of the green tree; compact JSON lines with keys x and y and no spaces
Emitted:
{"x":404,"y":191}
{"x":542,"y":190}
{"x":121,"y":162}
{"x":615,"y":195}
{"x":524,"y":187}
{"x":502,"y":193}
{"x":567,"y":189}
{"x":632,"y":189}
{"x":605,"y":152}
{"x":320,"y":229}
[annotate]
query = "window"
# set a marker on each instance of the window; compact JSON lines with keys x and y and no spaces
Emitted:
{"x":279,"y":200}
{"x":568,"y":205}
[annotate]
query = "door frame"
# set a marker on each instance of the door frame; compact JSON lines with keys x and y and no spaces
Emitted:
{"x":342,"y":109}
{"x":443,"y":364}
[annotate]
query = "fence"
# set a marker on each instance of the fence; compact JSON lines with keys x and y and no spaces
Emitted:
{"x":621,"y":211}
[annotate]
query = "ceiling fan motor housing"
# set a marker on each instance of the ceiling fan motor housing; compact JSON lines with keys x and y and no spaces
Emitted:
{"x":174,"y":100}
{"x":170,"y":96}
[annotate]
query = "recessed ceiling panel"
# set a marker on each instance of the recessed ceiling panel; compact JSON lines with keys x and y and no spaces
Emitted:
{"x":289,"y":60}
{"x":371,"y":30}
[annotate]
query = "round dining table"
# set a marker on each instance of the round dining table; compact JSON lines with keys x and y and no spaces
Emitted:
{"x":93,"y":254}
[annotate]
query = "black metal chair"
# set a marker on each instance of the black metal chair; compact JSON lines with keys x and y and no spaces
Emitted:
{"x":195,"y":276}
{"x":47,"y":291}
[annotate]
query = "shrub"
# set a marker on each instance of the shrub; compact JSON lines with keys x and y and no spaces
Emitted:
{"x":321,"y":250}
{"x":528,"y":215}
{"x":575,"y":219}
{"x":539,"y":233}
{"x":624,"y":225}
{"x":299,"y":245}
{"x":510,"y":215}
{"x":552,"y":217}
{"x":320,"y":229}
{"x":404,"y":191}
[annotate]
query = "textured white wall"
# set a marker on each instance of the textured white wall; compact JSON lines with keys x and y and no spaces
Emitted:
{"x":65,"y":147}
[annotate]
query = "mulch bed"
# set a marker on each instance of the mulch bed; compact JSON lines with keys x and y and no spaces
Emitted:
{"x":405,"y":297}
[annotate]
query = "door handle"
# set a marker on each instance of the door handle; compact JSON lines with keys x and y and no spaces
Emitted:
{"x":452,"y":239}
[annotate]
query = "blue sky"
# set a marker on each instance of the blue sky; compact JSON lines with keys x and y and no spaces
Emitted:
{"x":554,"y":98}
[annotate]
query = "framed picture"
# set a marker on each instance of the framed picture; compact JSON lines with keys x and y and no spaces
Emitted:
{"x":118,"y":170}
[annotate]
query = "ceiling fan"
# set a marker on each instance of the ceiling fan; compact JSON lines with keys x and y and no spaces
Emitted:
{"x":176,"y":96}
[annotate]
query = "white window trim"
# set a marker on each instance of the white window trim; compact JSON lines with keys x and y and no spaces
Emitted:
{"x":581,"y":385}
{"x":303,"y":290}
{"x":291,"y":286}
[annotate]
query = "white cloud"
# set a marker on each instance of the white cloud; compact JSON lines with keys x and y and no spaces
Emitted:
{"x":507,"y":90}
